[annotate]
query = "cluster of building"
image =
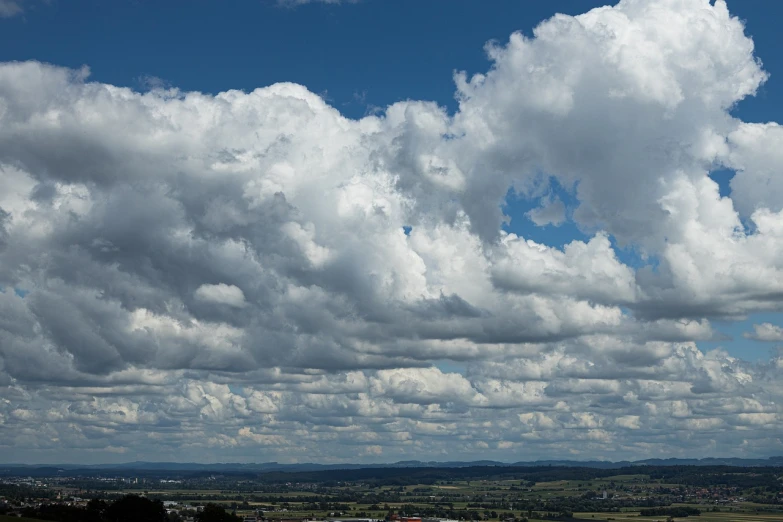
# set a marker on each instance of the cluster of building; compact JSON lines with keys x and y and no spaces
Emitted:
{"x":415,"y":518}
{"x":38,"y":502}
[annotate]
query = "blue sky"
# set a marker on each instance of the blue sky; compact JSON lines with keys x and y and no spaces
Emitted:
{"x":359,"y":56}
{"x":254,"y":276}
{"x":363,"y":55}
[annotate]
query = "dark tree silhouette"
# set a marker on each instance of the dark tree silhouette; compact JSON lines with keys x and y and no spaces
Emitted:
{"x":133,"y":508}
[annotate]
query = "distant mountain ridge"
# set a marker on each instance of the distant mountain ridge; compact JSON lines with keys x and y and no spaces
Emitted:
{"x":277,"y":467}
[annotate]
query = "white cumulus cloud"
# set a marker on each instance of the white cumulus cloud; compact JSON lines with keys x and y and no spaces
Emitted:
{"x":253,"y":273}
{"x":765,"y":332}
{"x":221,"y":293}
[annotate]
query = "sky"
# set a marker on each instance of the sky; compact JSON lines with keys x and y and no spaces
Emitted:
{"x":371,"y":231}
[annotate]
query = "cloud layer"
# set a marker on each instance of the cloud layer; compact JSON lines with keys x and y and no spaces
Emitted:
{"x":253,"y":276}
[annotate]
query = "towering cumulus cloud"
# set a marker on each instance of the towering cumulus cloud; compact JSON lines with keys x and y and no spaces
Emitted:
{"x":254,"y":276}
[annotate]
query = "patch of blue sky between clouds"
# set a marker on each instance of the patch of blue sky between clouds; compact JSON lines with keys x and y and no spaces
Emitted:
{"x":739,"y":346}
{"x":20,"y":292}
{"x":723,"y":177}
{"x":520,"y":209}
{"x":519,"y":203}
{"x":631,"y":256}
{"x":448,"y":366}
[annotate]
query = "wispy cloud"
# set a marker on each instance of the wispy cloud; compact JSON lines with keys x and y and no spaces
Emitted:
{"x":9,"y":8}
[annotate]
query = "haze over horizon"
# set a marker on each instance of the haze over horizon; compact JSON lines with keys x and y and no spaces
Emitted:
{"x":372,"y":231}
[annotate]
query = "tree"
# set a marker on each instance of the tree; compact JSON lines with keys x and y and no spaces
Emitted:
{"x":215,"y":513}
{"x":98,"y":505}
{"x":133,"y":508}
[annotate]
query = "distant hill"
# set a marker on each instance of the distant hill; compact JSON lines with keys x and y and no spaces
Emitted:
{"x":266,"y":467}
